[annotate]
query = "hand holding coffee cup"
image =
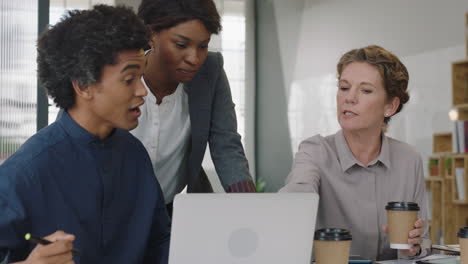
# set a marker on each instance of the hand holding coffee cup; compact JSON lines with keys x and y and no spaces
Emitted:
{"x":463,"y":241}
{"x":415,"y":238}
{"x":332,"y":245}
{"x":404,"y":228}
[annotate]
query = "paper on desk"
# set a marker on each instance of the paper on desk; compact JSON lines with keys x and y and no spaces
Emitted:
{"x":397,"y":261}
{"x":412,"y":261}
{"x":453,"y":248}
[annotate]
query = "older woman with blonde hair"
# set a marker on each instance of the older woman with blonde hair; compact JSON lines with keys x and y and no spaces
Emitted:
{"x":359,"y":169}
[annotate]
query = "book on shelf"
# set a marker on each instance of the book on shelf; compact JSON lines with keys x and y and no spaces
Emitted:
{"x":460,"y":183}
{"x":456,"y":140}
{"x":460,"y":136}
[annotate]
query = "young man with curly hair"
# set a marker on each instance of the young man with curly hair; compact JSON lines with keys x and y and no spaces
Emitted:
{"x":85,"y":174}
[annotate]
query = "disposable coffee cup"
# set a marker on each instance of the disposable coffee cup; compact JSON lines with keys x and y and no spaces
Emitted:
{"x":401,"y":217}
{"x":463,"y":241}
{"x":332,"y":245}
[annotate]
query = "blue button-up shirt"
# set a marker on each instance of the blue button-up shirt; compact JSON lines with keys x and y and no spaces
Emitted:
{"x":102,"y":191}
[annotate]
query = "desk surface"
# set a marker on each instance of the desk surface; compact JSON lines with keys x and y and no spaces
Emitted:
{"x":443,"y":259}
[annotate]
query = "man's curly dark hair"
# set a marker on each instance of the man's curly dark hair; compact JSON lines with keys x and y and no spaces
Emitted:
{"x":164,"y":14}
{"x":81,"y":44}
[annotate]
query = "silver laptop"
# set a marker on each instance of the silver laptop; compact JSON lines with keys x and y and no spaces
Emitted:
{"x":243,"y":228}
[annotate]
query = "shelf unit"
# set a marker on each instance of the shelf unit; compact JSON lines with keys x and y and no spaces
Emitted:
{"x":449,"y":211}
{"x":460,"y":83}
{"x":460,"y":162}
{"x":449,"y":218}
{"x":442,"y":142}
{"x":434,"y":186}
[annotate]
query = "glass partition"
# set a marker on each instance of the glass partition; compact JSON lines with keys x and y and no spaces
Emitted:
{"x":18,"y":84}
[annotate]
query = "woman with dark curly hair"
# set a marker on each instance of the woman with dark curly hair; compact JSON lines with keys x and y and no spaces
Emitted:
{"x":359,"y":169}
{"x":189,"y":101}
{"x":85,"y":174}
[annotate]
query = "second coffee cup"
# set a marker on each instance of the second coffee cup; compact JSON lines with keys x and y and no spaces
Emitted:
{"x":463,"y":241}
{"x":401,"y":217}
{"x":332,"y":245}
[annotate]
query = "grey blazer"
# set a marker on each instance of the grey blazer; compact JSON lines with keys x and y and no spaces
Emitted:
{"x":213,"y":121}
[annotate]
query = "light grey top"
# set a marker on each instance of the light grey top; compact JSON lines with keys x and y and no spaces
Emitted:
{"x":354,"y":196}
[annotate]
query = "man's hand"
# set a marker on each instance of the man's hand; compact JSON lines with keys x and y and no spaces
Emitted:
{"x":414,"y":238}
{"x":59,"y":252}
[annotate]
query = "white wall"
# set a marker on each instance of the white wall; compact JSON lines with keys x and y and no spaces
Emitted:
{"x":331,"y":27}
{"x":427,"y":35}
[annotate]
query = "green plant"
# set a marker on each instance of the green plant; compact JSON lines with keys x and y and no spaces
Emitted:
{"x":433,"y":167}
{"x":448,"y":163}
{"x":260,"y":185}
{"x":432,"y":163}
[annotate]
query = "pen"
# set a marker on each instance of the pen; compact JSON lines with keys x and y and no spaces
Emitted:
{"x":42,"y":241}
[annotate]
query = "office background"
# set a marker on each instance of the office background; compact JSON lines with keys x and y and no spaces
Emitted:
{"x":280,"y":58}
